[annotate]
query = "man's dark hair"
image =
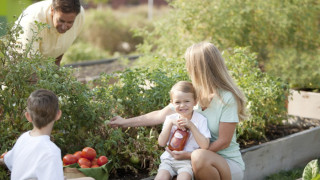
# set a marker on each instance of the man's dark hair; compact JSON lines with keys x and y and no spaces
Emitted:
{"x":66,"y":6}
{"x":43,"y":107}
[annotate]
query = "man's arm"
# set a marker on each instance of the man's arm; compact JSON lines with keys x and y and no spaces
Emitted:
{"x":58,"y":60}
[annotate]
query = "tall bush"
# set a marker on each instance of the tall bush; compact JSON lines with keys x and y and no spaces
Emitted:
{"x":85,"y":110}
{"x":272,"y":29}
{"x":262,"y":25}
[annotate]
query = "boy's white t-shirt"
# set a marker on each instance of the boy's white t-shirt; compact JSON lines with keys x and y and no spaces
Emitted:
{"x":199,"y":121}
{"x":34,"y":158}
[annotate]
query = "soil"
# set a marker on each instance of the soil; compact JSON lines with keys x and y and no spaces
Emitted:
{"x":293,"y":125}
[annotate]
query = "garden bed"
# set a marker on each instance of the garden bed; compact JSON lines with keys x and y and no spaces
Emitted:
{"x":275,"y":136}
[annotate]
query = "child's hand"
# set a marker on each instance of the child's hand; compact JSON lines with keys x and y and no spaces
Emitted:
{"x":183,"y":123}
{"x":178,"y":155}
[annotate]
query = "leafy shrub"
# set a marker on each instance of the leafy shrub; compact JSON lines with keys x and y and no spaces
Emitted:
{"x":266,"y":95}
{"x":136,"y":92}
{"x":82,"y":51}
{"x":104,"y":30}
{"x":300,"y":69}
{"x":84,"y":110}
{"x":269,"y":28}
{"x":262,"y":25}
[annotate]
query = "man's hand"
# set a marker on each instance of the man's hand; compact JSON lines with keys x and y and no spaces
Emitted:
{"x":179,"y":155}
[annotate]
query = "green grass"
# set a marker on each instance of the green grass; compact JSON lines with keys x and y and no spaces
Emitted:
{"x":293,"y":174}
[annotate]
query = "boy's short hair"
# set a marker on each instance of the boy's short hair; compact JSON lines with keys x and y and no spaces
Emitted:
{"x":66,"y":6}
{"x":183,"y":86}
{"x":43,"y":107}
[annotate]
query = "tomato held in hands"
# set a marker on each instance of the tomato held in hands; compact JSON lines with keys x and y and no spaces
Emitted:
{"x":69,"y":159}
{"x":88,"y":153}
{"x":84,"y":161}
{"x":78,"y":155}
{"x":102,"y":160}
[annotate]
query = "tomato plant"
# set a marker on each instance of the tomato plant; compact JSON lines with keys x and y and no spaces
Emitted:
{"x":84,"y":161}
{"x":102,"y":160}
{"x":69,"y":159}
{"x":88,"y":153}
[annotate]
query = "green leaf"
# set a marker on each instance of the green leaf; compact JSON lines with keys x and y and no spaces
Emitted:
{"x":312,"y":170}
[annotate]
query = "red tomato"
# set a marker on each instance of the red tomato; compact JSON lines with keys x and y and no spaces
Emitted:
{"x":94,"y":162}
{"x":88,"y":153}
{"x":69,"y":159}
{"x":95,"y":166}
{"x":78,"y":155}
{"x":84,"y":166}
{"x":102,"y":160}
{"x":2,"y":155}
{"x":84,"y":161}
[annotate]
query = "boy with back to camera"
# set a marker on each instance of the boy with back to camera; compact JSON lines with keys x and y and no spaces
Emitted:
{"x":34,"y":156}
{"x":183,"y":99}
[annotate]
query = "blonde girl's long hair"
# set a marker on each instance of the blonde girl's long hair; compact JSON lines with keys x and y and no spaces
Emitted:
{"x":209,"y":73}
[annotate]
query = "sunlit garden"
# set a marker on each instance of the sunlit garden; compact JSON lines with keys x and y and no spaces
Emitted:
{"x":269,"y":47}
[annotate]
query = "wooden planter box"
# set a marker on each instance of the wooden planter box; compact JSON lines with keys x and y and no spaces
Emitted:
{"x":70,"y":173}
{"x":285,"y":153}
{"x":304,"y":104}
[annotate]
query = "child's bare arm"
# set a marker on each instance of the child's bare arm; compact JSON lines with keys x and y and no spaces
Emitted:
{"x":202,"y":141}
{"x":165,"y":134}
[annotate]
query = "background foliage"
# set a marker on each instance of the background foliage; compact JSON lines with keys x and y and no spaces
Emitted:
{"x":109,"y":33}
{"x":273,"y":29}
{"x":279,"y":37}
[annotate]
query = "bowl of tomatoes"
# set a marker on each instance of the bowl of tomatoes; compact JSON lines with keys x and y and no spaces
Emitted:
{"x":86,"y":163}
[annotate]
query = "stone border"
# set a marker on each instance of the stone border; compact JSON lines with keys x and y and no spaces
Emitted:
{"x":286,"y":153}
{"x":282,"y":154}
